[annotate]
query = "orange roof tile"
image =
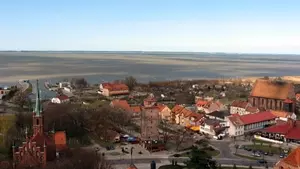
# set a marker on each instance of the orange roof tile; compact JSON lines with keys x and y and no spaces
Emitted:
{"x":122,"y":104}
{"x":60,"y":140}
{"x":239,"y":103}
{"x":269,"y":89}
{"x":293,"y":158}
{"x":115,"y":86}
{"x":177,"y":109}
{"x":161,"y":107}
{"x":201,"y":103}
{"x":282,"y":114}
{"x":251,"y":109}
{"x":136,"y":109}
{"x":186,"y":112}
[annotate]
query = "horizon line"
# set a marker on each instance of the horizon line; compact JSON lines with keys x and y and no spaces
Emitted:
{"x":154,"y":51}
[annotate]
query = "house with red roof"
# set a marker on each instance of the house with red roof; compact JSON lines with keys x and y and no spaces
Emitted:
{"x":212,"y":106}
{"x":240,"y":124}
{"x":283,"y":115}
{"x":175,"y":113}
{"x":239,"y":107}
{"x":164,"y":112}
{"x":288,"y":131}
{"x":123,"y":105}
{"x":111,"y":89}
{"x":41,"y":147}
{"x":292,"y":161}
{"x":60,"y":99}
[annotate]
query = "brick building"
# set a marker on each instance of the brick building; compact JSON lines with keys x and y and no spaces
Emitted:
{"x":41,"y":147}
{"x":274,"y":95}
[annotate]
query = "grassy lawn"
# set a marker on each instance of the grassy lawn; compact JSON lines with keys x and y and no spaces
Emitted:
{"x":247,"y":157}
{"x":213,"y":153}
{"x":265,"y":148}
{"x":6,"y":121}
{"x":260,"y":141}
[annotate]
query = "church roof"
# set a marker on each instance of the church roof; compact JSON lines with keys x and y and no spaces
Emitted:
{"x":271,"y":89}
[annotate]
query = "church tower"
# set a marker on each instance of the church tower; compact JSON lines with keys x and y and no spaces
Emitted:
{"x":38,"y":120}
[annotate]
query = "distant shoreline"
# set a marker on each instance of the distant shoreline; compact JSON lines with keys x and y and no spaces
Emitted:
{"x":145,"y":52}
{"x":293,"y":79}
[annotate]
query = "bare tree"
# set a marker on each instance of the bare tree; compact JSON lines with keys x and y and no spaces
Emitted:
{"x":21,"y":99}
{"x":131,"y":82}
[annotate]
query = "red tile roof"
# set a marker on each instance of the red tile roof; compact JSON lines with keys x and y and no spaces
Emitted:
{"x":251,"y":109}
{"x":63,"y":97}
{"x":282,"y":114}
{"x":251,"y":118}
{"x":196,"y":116}
{"x":136,"y":109}
{"x":60,"y":140}
{"x":258,"y":117}
{"x":239,"y":103}
{"x":293,"y":158}
{"x":291,"y":129}
{"x":270,"y":89}
{"x":177,"y":109}
{"x":122,"y":104}
{"x":186,"y":112}
{"x":201,"y":103}
{"x":115,"y":86}
{"x":161,"y":107}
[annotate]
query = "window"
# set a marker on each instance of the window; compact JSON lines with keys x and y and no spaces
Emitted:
{"x":37,"y":122}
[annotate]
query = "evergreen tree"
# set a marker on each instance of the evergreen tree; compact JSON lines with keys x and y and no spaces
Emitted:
{"x":234,"y":166}
{"x":250,"y":166}
{"x":200,"y":159}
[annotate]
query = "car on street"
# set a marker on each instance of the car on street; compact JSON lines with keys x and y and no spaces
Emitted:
{"x":266,"y":153}
{"x":262,"y":161}
{"x":281,"y":155}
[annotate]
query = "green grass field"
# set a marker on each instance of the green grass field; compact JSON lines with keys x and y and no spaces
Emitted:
{"x":6,"y":121}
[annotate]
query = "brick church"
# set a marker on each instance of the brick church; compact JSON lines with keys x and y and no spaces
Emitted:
{"x":41,"y":146}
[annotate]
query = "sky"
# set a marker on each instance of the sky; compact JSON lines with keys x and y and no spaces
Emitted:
{"x":238,"y":26}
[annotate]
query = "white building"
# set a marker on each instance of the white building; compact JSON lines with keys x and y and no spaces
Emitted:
{"x":241,"y":124}
{"x":239,"y":107}
{"x":60,"y":99}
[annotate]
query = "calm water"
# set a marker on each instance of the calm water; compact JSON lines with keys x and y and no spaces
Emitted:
{"x":167,"y":66}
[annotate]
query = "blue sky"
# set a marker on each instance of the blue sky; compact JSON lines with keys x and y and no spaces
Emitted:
{"x":246,"y":26}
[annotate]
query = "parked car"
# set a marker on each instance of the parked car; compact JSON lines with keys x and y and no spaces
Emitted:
{"x":281,"y":155}
{"x":266,"y":153}
{"x":262,"y":161}
{"x":110,"y":148}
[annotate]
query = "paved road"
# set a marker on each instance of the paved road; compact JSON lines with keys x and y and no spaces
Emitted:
{"x":224,"y":148}
{"x":181,"y":160}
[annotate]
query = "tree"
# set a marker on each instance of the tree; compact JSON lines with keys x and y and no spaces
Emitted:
{"x":200,"y":159}
{"x":131,"y":82}
{"x":21,"y":99}
{"x":79,"y":83}
{"x":250,"y":166}
{"x":234,"y":166}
